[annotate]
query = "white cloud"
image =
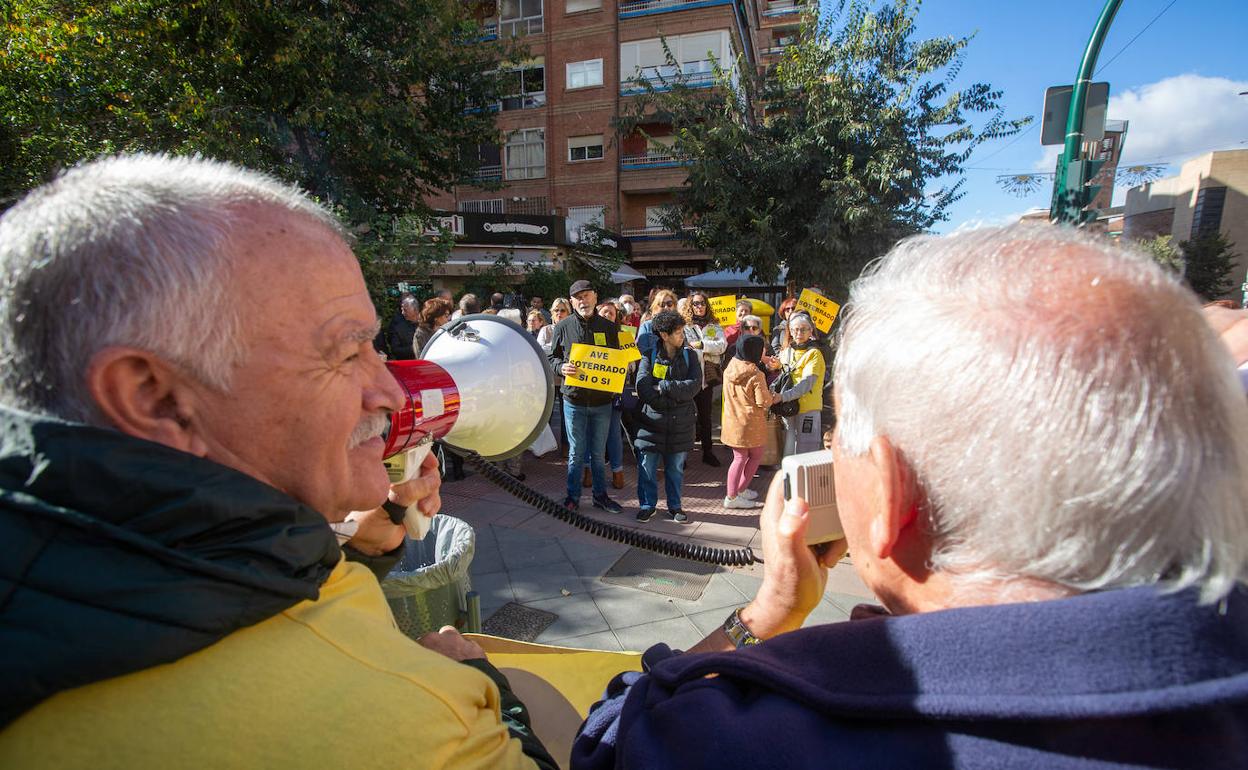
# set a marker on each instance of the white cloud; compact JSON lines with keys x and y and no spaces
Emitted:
{"x":1176,"y":119}
{"x":980,"y":219}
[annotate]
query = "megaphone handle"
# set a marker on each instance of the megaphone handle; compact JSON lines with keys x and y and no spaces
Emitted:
{"x":416,"y":523}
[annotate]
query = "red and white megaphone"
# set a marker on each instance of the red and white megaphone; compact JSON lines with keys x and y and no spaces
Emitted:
{"x":481,"y":384}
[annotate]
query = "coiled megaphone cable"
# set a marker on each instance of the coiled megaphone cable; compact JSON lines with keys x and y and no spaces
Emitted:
{"x":727,"y":557}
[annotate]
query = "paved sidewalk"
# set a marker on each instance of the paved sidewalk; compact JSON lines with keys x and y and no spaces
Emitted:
{"x":526,"y":556}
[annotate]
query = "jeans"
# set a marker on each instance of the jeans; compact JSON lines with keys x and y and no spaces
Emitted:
{"x":648,"y":478}
{"x":741,"y":472}
{"x":587,"y":437}
{"x":615,"y":446}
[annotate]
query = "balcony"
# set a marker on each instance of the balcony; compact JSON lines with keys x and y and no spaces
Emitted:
{"x":655,"y":233}
{"x":699,"y":74}
{"x":520,"y":27}
{"x":488,"y":174}
{"x":523,"y":101}
{"x":635,"y":8}
{"x":653,"y":160}
{"x":489,"y":31}
{"x":781,"y":8}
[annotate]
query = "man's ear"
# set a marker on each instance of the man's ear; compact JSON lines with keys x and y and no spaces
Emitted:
{"x":898,"y":497}
{"x":143,"y":396}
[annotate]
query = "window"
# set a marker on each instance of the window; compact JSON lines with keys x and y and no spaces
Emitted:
{"x":580,"y":217}
{"x":520,"y":17}
{"x":655,"y":215}
{"x":584,"y":148}
{"x":493,"y":206}
{"x":583,"y":74}
{"x":489,"y":163}
{"x":526,"y":154}
{"x":1207,"y":216}
{"x":573,"y":6}
{"x":694,"y":53}
{"x":527,"y":86}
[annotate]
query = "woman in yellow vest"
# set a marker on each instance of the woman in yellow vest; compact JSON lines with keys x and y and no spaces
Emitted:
{"x":803,"y":432}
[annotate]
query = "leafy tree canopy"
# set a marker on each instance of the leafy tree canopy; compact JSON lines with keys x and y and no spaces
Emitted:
{"x":366,"y":106}
{"x":1209,"y":260}
{"x":832,"y":155}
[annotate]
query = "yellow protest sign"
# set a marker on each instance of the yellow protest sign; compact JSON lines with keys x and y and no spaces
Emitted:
{"x":628,"y":343}
{"x":725,"y":309}
{"x":600,"y":368}
{"x":822,"y":310}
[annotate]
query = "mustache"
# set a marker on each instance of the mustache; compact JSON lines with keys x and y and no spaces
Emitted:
{"x":370,"y":426}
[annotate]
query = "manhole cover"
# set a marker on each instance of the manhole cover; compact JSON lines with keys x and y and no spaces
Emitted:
{"x":663,"y":575}
{"x":515,"y":621}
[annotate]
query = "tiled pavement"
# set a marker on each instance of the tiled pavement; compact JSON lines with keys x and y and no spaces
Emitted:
{"x":526,"y":556}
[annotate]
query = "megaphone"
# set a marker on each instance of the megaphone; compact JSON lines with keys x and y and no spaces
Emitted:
{"x":481,"y":384}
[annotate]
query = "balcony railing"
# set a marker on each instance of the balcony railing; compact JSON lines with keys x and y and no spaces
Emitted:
{"x":647,"y":7}
{"x":521,"y":27}
{"x":489,"y":31}
{"x":488,"y":174}
{"x":653,"y":160}
{"x":699,"y":74}
{"x":649,"y":233}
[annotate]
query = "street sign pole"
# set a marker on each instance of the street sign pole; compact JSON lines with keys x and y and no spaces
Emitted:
{"x":1070,"y":194}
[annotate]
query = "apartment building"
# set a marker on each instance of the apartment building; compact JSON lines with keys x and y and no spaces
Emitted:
{"x":587,"y":63}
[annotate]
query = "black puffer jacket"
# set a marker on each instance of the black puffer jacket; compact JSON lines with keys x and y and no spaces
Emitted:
{"x":667,"y":421}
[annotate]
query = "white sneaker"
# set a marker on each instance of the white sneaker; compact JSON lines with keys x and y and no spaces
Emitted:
{"x":740,"y":502}
{"x":748,"y":494}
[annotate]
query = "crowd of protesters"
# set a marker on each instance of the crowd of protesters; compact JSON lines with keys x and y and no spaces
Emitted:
{"x":760,"y":389}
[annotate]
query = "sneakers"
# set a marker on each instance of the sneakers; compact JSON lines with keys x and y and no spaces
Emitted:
{"x":741,"y":502}
{"x":711,"y":460}
{"x":645,"y":514}
{"x":677,"y":516}
{"x":748,"y":494}
{"x":572,"y":505}
{"x":607,"y":504}
{"x":617,"y":479}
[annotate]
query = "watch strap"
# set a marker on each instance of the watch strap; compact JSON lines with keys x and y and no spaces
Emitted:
{"x":737,"y":632}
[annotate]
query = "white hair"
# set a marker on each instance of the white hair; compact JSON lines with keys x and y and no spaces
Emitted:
{"x":131,"y":250}
{"x":753,"y":319}
{"x":1067,"y":412}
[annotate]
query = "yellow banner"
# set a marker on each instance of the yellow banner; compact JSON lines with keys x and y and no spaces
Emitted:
{"x":822,"y":310}
{"x":600,"y":368}
{"x":725,"y":309}
{"x":628,"y":343}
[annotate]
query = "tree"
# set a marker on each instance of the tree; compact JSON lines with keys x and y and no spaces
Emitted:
{"x":1209,"y":258}
{"x":367,"y":107}
{"x":1163,"y":251}
{"x":857,"y":141}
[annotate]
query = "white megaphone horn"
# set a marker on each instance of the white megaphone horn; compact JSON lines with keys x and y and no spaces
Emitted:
{"x":481,"y":384}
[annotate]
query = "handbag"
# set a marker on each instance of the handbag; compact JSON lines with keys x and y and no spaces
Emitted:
{"x":713,"y":372}
{"x":783,"y":383}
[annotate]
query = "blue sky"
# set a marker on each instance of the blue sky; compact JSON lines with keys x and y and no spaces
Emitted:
{"x":1177,"y":83}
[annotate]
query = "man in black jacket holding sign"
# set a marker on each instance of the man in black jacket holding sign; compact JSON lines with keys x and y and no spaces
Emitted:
{"x":586,"y":412}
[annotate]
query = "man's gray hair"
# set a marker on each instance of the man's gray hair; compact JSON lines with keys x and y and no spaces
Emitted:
{"x":1068,"y":414}
{"x":131,"y":250}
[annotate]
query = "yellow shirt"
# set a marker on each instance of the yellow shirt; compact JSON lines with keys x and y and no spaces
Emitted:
{"x":806,"y":363}
{"x":330,"y":683}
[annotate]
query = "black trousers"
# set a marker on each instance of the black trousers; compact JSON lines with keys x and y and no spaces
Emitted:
{"x":704,"y":402}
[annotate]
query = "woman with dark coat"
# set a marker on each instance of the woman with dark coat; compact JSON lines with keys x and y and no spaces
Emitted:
{"x":668,"y":380}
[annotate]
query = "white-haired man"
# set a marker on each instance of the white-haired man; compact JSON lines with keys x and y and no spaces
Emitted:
{"x":1041,"y":468}
{"x":172,"y":594}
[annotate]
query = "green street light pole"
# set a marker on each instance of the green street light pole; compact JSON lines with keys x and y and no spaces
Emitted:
{"x":1070,"y":182}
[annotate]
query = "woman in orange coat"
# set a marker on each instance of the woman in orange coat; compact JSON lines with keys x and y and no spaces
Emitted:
{"x":744,"y":429}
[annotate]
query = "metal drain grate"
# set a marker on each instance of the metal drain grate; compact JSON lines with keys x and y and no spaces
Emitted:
{"x":658,"y":574}
{"x":515,"y":621}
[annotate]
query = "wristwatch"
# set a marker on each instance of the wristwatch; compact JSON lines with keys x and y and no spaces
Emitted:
{"x":736,"y":631}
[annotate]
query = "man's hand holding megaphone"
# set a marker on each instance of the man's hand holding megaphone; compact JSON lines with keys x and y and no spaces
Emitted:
{"x":376,"y":533}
